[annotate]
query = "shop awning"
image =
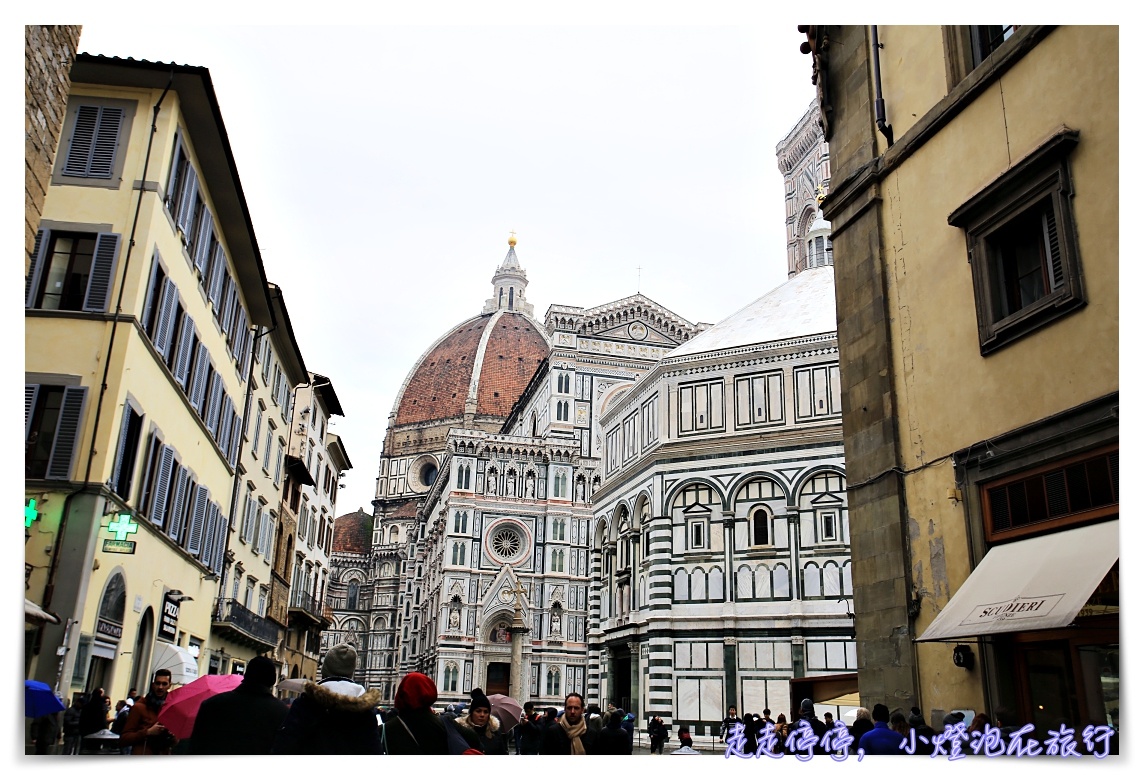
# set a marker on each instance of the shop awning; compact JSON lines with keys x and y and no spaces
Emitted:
{"x":184,"y":668}
{"x":1031,"y":584}
{"x":34,"y":613}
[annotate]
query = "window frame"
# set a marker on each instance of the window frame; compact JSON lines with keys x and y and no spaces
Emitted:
{"x":114,"y":178}
{"x":1043,"y":174}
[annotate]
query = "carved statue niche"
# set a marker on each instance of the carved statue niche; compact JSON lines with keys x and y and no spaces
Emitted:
{"x":510,"y":484}
{"x":530,"y":485}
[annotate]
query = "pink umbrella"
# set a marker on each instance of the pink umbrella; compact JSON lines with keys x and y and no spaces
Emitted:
{"x":178,"y":713}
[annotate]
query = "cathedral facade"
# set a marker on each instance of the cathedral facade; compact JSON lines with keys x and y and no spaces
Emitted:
{"x":616,"y":500}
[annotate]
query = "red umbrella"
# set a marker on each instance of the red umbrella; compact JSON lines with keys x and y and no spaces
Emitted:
{"x":182,"y":705}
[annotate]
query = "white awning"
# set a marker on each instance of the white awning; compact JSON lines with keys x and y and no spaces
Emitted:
{"x":184,"y":668}
{"x":34,"y":613}
{"x":1032,"y":584}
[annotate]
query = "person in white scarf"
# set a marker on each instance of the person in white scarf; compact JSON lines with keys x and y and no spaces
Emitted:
{"x":569,"y":735}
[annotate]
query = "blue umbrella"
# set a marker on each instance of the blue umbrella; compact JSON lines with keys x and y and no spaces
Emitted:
{"x":40,"y":700}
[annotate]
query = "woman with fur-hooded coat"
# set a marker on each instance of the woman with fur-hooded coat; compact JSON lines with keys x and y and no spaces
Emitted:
{"x":479,"y":720}
{"x":335,"y":716}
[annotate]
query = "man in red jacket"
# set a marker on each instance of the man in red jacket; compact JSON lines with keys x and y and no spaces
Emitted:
{"x":141,"y":732}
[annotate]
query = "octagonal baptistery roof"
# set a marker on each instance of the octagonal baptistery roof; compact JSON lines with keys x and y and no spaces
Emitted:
{"x":482,"y":364}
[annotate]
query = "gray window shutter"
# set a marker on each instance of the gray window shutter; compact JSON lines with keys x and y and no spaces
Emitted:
{"x":162,"y":486}
{"x":120,"y":450}
{"x":247,"y":517}
{"x":220,"y":543}
{"x":95,"y":137}
{"x":206,"y":544}
{"x":106,"y":141}
{"x":67,"y":434}
{"x":226,"y":419}
{"x":154,"y":291}
{"x":259,"y":519}
{"x":186,"y":212}
{"x":235,"y":440}
{"x":199,"y":382}
{"x":214,"y":400}
{"x":183,"y":354}
{"x":198,"y":520}
{"x":32,"y":281}
{"x":226,"y":319}
{"x":177,"y":159}
{"x":31,"y":392}
{"x":165,"y":323}
{"x":102,"y":269}
{"x":218,"y":273}
{"x":243,"y":350}
{"x":203,"y":241}
{"x":179,"y":503}
{"x":82,"y":141}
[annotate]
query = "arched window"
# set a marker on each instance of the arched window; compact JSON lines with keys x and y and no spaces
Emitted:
{"x":831,"y":579}
{"x":715,"y":584}
{"x":352,"y":594}
{"x":781,"y":578}
{"x":553,"y":686}
{"x":760,"y":528}
{"x":500,"y":298}
{"x":510,"y":292}
{"x":680,"y":590}
{"x":468,"y":471}
{"x":451,"y":675}
{"x":811,"y":581}
{"x":456,"y":523}
{"x":698,"y":585}
{"x":744,"y":583}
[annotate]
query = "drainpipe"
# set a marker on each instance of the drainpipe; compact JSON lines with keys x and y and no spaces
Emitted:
{"x":50,"y":589}
{"x":879,"y":103}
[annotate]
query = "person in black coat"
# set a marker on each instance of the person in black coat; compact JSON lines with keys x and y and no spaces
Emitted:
{"x":335,"y":717}
{"x":244,"y":721}
{"x":657,"y":730}
{"x":416,"y":729}
{"x":483,"y":725}
{"x":569,"y":734}
{"x":530,"y":728}
{"x":614,"y":739}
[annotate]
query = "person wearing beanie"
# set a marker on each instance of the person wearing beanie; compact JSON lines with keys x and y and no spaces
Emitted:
{"x":919,"y":725}
{"x":244,"y":721}
{"x":483,"y":725}
{"x":806,"y":715}
{"x":881,"y":740}
{"x":416,"y":729}
{"x":335,"y":716}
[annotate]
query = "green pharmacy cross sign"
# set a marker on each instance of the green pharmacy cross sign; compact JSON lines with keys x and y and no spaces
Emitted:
{"x":30,"y":513}
{"x":121,"y":526}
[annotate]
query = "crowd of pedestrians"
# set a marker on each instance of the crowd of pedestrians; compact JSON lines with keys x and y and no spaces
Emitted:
{"x":337,"y":715}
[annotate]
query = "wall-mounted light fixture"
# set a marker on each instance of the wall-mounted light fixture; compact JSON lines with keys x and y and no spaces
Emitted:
{"x":963,"y":657}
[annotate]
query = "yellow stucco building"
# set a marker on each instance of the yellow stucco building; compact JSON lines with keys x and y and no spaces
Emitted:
{"x":145,"y":281}
{"x":975,"y":233}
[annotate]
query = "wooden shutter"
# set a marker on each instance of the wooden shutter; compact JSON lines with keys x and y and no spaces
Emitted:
{"x":1053,"y":249}
{"x":31,"y":392}
{"x":183,"y":353}
{"x":32,"y":280}
{"x":162,"y":486}
{"x":67,"y":433}
{"x":186,"y":213}
{"x":165,"y":320}
{"x":198,"y":520}
{"x":179,"y":503}
{"x":235,"y":440}
{"x":218,"y":273}
{"x":203,"y":241}
{"x":199,"y":380}
{"x":210,"y":528}
{"x":120,"y":453}
{"x":101,"y":278}
{"x":95,"y":137}
{"x":214,"y":401}
{"x":178,"y":160}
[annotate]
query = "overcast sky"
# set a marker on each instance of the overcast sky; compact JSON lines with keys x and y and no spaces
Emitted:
{"x":384,"y":167}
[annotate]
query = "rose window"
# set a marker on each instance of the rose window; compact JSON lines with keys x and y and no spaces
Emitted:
{"x":506,"y":543}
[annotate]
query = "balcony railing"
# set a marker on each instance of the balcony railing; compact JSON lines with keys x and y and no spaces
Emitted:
{"x":302,"y":602}
{"x":232,"y":617}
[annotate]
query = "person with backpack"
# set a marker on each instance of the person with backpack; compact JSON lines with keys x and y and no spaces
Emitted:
{"x":336,"y":716}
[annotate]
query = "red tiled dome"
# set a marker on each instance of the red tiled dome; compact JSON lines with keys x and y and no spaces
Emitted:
{"x":440,"y":383}
{"x":353,"y":533}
